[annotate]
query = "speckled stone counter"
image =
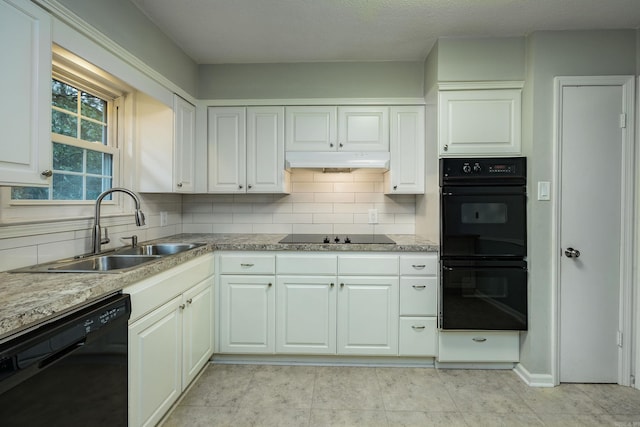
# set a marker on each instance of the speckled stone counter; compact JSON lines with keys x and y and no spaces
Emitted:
{"x":27,"y":299}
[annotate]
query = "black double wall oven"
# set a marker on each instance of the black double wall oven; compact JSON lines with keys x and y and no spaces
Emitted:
{"x":483,"y":244}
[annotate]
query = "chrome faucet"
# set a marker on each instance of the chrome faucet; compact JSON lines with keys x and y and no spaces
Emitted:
{"x":97,"y":240}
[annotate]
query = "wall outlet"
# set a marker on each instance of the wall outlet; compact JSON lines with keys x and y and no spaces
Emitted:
{"x":373,"y":216}
{"x":164,"y":219}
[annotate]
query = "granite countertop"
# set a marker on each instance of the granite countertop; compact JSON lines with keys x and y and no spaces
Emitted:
{"x":28,"y":299}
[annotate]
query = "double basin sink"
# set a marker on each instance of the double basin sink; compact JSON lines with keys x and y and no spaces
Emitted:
{"x":115,"y":261}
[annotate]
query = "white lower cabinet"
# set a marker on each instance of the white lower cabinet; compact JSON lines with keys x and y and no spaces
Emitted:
{"x":306,"y":317}
{"x":368,"y":315}
{"x":170,"y":337}
{"x":247,"y":314}
{"x":479,"y":346}
{"x":417,"y":336}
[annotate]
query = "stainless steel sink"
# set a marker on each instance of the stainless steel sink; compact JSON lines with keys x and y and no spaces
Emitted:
{"x":161,"y":249}
{"x":113,"y":262}
{"x":104,"y":263}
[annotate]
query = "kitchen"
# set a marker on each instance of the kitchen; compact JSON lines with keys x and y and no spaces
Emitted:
{"x":535,"y":59}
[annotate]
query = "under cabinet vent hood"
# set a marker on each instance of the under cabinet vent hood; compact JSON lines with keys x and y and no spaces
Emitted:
{"x":337,"y":160}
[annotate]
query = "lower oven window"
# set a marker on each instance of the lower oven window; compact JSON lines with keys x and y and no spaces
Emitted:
{"x":490,"y":298}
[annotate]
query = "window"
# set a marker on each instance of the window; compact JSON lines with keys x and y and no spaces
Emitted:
{"x":83,"y":159}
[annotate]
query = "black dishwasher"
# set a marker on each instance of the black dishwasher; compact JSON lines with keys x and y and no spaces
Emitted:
{"x":70,"y":372}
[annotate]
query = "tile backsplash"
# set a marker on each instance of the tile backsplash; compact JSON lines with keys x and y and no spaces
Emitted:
{"x":324,"y":203}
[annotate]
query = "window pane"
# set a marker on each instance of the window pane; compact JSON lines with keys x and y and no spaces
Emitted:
{"x":29,"y":193}
{"x":67,"y":187}
{"x":67,"y":158}
{"x":64,"y":96}
{"x":96,"y":185}
{"x":95,"y":163}
{"x":94,"y":107}
{"x":93,"y":132}
{"x":64,"y":124}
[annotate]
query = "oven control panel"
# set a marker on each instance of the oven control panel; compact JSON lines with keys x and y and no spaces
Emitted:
{"x":482,"y":168}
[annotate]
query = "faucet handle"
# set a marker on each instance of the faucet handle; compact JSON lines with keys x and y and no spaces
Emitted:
{"x":134,"y":240}
{"x":106,"y":238}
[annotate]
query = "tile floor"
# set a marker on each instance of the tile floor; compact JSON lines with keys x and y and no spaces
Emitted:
{"x":267,"y":395}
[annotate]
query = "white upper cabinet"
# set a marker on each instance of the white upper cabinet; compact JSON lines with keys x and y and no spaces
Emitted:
{"x":363,"y":128}
{"x":407,"y":150}
{"x":184,"y":145}
{"x":325,"y":128}
{"x":479,"y":121}
{"x":246,"y":150}
{"x":311,"y":128}
{"x":25,"y":146}
{"x":227,"y":149}
{"x":165,"y":145}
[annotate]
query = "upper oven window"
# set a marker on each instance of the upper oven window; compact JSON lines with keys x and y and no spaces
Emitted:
{"x":483,"y":213}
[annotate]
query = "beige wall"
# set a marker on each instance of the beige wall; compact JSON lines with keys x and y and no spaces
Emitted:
{"x":311,"y":80}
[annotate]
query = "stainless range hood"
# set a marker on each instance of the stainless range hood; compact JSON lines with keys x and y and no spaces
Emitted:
{"x":337,"y":160}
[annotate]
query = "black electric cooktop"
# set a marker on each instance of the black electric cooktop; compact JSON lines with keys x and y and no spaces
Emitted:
{"x":338,"y":239}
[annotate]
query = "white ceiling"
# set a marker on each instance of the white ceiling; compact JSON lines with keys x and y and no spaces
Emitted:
{"x":250,"y":31}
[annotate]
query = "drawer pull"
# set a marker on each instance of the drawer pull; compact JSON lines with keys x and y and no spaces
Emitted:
{"x":419,"y":286}
{"x":479,"y":339}
{"x":418,"y":266}
{"x":418,"y":327}
{"x":246,"y":265}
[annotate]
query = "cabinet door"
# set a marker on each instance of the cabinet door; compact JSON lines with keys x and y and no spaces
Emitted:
{"x":479,"y":122}
{"x":306,"y":318}
{"x":265,"y":150}
{"x":407,"y":150}
{"x":363,"y":128}
{"x":184,"y":145}
{"x":247,"y":314}
{"x":368,"y":315}
{"x":25,"y":117}
{"x":155,"y":364}
{"x":311,"y":129}
{"x":197,"y":329}
{"x":227,"y":149}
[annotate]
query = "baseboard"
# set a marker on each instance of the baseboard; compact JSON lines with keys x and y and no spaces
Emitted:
{"x":370,"y":361}
{"x":533,"y":380}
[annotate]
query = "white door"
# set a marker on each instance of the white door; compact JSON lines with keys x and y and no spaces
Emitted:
{"x":368,"y":315}
{"x":185,"y":145}
{"x":197,"y":328}
{"x":247,"y":314}
{"x":592,"y":176}
{"x":227,"y":149}
{"x":265,"y":149}
{"x":363,"y":128}
{"x":306,"y":317}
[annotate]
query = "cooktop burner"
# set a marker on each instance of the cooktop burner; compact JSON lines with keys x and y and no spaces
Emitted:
{"x":338,"y":239}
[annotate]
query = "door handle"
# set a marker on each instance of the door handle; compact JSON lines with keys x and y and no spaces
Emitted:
{"x":572,"y":253}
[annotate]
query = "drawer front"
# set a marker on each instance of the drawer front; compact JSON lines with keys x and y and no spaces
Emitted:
{"x":418,"y":296}
{"x":419,"y":265}
{"x":417,"y":336}
{"x":479,"y":346}
{"x":310,"y":265}
{"x":247,"y":264}
{"x":368,"y":265}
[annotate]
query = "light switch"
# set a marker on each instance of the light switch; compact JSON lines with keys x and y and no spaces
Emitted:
{"x":544,"y":190}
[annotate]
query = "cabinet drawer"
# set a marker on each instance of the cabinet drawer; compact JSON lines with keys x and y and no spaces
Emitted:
{"x":417,"y":336}
{"x":479,"y":346}
{"x":418,"y":296}
{"x":419,"y":265}
{"x":247,"y":264}
{"x":368,"y":265}
{"x":315,"y":265}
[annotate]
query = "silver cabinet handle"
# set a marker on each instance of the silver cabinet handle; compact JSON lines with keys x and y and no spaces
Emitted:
{"x":479,"y":339}
{"x":182,"y":306}
{"x":240,"y":187}
{"x":47,"y":173}
{"x":446,"y":148}
{"x":572,"y":253}
{"x":190,"y":300}
{"x":246,"y":265}
{"x":332,"y":285}
{"x":419,"y":286}
{"x":331,"y":144}
{"x":249,"y":186}
{"x":179,"y":185}
{"x":418,"y":266}
{"x":341,"y":145}
{"x":418,"y":327}
{"x":395,"y":187}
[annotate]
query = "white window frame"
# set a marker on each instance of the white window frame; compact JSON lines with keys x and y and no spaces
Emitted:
{"x":73,"y":70}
